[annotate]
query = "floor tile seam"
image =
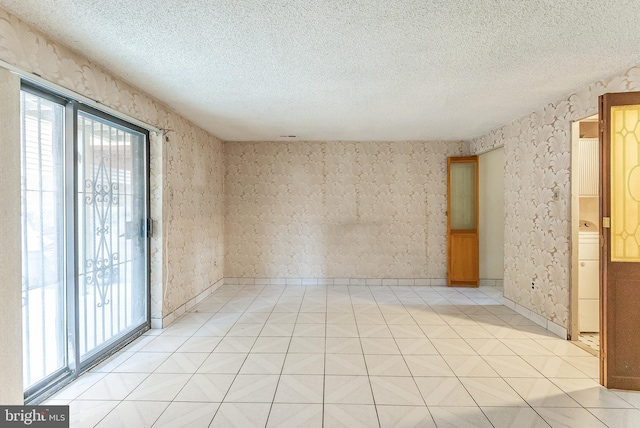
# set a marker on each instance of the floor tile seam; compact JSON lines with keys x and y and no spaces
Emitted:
{"x":192,"y":374}
{"x":156,"y":419}
{"x":588,"y":409}
{"x":624,"y":399}
{"x":236,"y":376}
{"x":506,"y":379}
{"x":520,"y":377}
{"x":173,"y":401}
{"x":545,"y":419}
{"x":286,"y":354}
{"x":575,"y":366}
{"x":403,"y":359}
{"x":70,"y":385}
{"x":553,"y":380}
{"x":373,"y":397}
{"x":463,"y":385}
{"x":587,"y":376}
{"x":511,"y":326}
{"x":120,"y":401}
{"x":409,"y":368}
{"x":466,"y":341}
{"x":116,"y":401}
{"x":324,"y":368}
{"x":176,"y":352}
{"x":508,"y":385}
{"x":492,"y":424}
{"x":147,"y":374}
{"x":632,"y":406}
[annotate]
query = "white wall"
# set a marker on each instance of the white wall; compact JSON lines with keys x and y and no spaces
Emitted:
{"x":10,"y":252}
{"x":491,"y":195}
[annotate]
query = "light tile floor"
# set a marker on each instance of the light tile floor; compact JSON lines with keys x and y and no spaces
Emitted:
{"x":349,"y":356}
{"x":592,"y":340}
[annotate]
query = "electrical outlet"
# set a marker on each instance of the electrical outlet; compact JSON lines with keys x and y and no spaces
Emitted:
{"x":533,"y":285}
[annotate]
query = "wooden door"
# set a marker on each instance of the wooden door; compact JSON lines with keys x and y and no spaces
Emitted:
{"x":463,"y":261}
{"x":620,"y":240}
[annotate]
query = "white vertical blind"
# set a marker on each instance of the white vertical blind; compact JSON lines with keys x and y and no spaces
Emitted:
{"x":589,"y":172}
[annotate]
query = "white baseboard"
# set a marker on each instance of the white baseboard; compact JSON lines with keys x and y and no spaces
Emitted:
{"x":554,"y":328}
{"x":181,"y":310}
{"x":336,"y":281}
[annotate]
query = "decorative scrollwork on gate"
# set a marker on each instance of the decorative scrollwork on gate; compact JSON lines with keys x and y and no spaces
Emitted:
{"x":101,"y":195}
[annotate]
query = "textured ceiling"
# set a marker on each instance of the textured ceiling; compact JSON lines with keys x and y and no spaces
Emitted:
{"x":348,"y":70}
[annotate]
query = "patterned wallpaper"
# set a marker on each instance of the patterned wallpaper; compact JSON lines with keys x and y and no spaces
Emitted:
{"x":336,"y":209}
{"x":331,"y":209}
{"x":193,"y":210}
{"x":186,"y":171}
{"x":537,"y":228}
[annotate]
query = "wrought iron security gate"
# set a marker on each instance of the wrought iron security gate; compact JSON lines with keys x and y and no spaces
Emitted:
{"x":112,"y":237}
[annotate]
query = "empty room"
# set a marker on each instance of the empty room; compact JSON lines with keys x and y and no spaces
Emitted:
{"x":320,"y":214}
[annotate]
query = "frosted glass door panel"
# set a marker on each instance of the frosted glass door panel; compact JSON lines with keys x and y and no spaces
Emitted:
{"x":625,"y":183}
{"x":463,"y":197}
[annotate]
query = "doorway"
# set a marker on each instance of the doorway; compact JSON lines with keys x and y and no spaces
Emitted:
{"x":585,"y":263}
{"x":491,"y":217}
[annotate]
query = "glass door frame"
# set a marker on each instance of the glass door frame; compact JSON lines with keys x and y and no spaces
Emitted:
{"x":102,"y":352}
{"x":66,"y":371}
{"x":75,"y":367}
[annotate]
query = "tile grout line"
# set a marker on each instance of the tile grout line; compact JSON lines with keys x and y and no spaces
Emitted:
{"x":499,"y":376}
{"x":413,"y":377}
{"x":275,"y":392}
{"x":324,"y":370}
{"x":366,"y":366}
{"x":248,"y":352}
{"x":389,"y":295}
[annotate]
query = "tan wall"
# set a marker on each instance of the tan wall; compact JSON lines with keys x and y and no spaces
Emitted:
{"x":538,"y":228}
{"x":336,"y":209}
{"x":590,"y":210}
{"x":10,"y":250}
{"x":491,"y":193}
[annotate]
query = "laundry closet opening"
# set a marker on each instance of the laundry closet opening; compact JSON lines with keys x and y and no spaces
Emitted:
{"x":585,"y":263}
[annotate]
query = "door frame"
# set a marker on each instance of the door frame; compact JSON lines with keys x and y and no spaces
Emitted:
{"x":101,"y":351}
{"x":574,"y":314}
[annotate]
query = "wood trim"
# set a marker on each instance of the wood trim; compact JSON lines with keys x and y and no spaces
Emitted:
{"x":619,"y":281}
{"x":605,"y":200}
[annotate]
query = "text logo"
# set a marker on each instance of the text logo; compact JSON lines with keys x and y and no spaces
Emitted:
{"x":34,"y":416}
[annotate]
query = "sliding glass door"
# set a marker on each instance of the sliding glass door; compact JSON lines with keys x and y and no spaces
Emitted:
{"x":43,"y":240}
{"x":112,"y":237}
{"x":84,"y":237}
